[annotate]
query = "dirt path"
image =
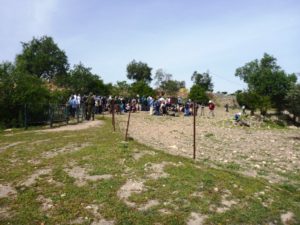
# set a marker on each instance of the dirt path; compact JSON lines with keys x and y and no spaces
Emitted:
{"x":266,"y":152}
{"x":79,"y":126}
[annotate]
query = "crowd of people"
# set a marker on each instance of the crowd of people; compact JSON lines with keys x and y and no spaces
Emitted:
{"x":92,"y":104}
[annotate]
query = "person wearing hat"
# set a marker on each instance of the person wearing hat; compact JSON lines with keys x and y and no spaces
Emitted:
{"x":211,"y":107}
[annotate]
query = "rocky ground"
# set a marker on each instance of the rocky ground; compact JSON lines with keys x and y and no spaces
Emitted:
{"x":255,"y":151}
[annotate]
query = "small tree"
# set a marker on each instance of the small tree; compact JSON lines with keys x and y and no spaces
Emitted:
{"x":197,"y":94}
{"x":293,"y":101}
{"x":139,"y":71}
{"x":160,"y":77}
{"x":204,"y":80}
{"x":254,"y":101}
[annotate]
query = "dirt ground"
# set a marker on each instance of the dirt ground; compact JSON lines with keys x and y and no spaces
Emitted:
{"x":267,"y":152}
{"x":79,"y":126}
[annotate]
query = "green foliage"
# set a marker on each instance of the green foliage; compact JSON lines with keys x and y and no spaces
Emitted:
{"x":293,"y":101}
{"x":266,"y":78}
{"x":121,"y":88}
{"x":141,"y":88}
{"x":165,"y":83}
{"x":198,"y":94}
{"x":43,"y":58}
{"x":204,"y":80}
{"x":171,"y":87}
{"x":254,"y":101}
{"x":40,"y":77}
{"x":16,"y":90}
{"x":139,"y":71}
{"x":83,"y":81}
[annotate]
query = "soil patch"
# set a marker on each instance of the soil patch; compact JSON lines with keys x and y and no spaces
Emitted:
{"x":156,"y":171}
{"x":5,"y":212}
{"x":287,"y":218}
{"x":32,"y":179}
{"x":196,"y":219}
{"x":149,"y":204}
{"x":79,"y":126}
{"x":129,"y":188}
{"x":46,"y":203}
{"x":6,"y":191}
{"x":81,"y":176}
{"x":66,"y":149}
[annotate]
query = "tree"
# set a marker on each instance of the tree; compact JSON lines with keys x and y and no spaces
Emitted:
{"x":171,"y":87}
{"x":43,"y":58}
{"x":165,"y":83}
{"x":139,"y":71}
{"x":18,"y":89}
{"x":293,"y":101}
{"x":266,"y":78}
{"x":198,"y":94}
{"x":121,"y":88}
{"x":141,"y":88}
{"x":204,"y":80}
{"x":253,"y":101}
{"x":83,"y":81}
{"x":161,"y":76}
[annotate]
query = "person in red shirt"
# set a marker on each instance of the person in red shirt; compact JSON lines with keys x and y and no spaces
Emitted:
{"x":211,"y":107}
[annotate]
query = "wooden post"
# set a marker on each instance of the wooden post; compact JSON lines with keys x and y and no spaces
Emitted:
{"x":194,"y":115}
{"x":127,"y":127}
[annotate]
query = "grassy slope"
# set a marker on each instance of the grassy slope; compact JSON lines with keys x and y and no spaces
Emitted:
{"x":258,"y":202}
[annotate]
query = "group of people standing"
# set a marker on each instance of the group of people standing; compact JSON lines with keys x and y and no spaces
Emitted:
{"x":85,"y":103}
{"x":92,"y":104}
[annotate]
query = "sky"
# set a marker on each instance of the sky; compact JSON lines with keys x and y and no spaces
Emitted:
{"x":178,"y":36}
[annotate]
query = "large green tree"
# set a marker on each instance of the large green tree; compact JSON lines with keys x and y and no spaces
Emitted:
{"x":43,"y":58}
{"x":141,"y":88}
{"x":265,"y":78}
{"x":203,"y":79}
{"x":83,"y":81}
{"x":139,"y":71}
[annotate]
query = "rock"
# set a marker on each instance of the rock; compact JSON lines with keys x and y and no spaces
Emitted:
{"x":287,"y":218}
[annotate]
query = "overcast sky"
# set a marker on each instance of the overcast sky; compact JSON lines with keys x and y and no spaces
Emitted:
{"x":179,"y":36}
